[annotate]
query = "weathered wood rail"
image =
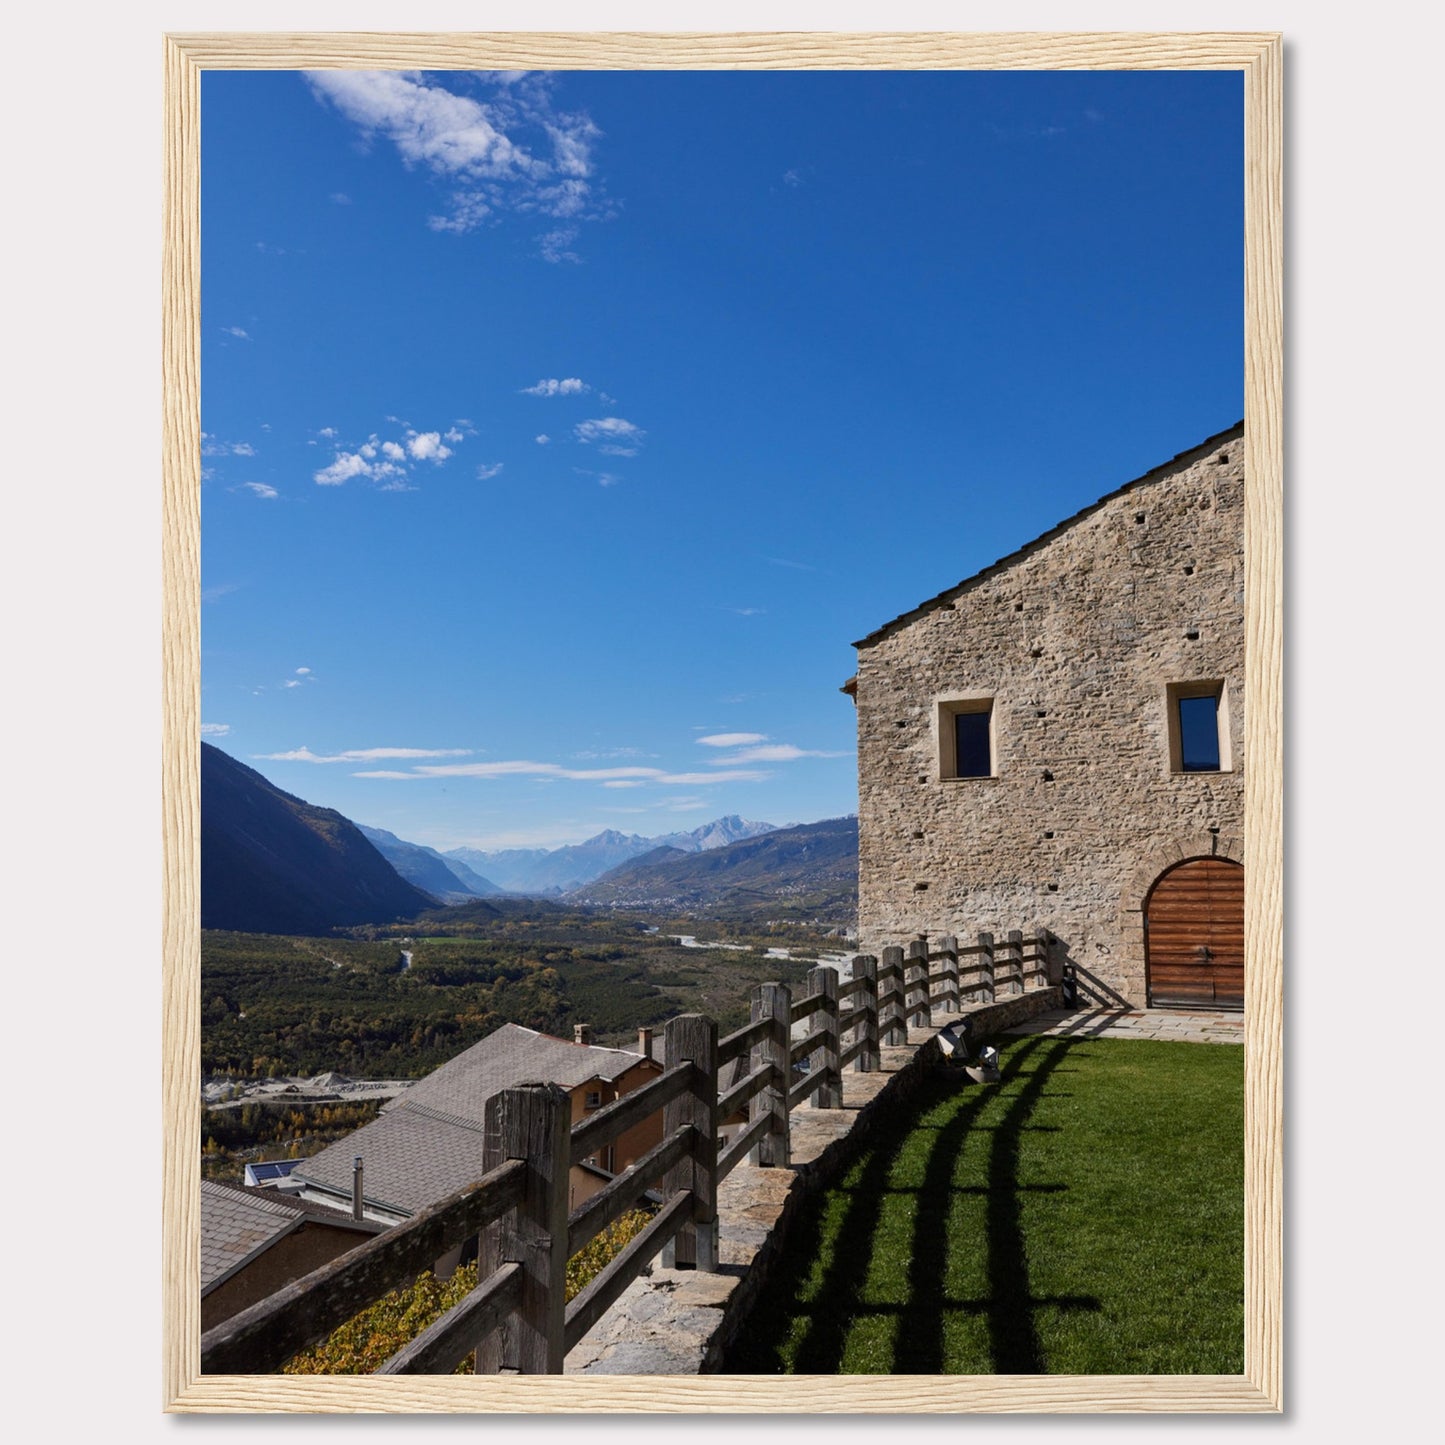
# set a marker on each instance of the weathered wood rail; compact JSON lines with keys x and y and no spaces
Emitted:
{"x":517,"y":1319}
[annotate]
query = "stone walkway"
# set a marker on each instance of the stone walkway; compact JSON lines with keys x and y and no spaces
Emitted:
{"x":1168,"y":1024}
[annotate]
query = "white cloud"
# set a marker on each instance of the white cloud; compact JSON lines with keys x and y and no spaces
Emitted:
{"x":302,"y":671}
{"x":261,"y":489}
{"x":496,"y":138}
{"x":747,"y":611}
{"x":542,"y":439}
{"x":485,"y":474}
{"x":360,"y":755}
{"x":427,"y":446}
{"x":556,"y":246}
{"x":554,"y":386}
{"x":346,"y":466}
{"x":732,"y":740}
{"x":211,"y":446}
{"x":554,"y":772}
{"x":340,"y":198}
{"x":619,"y":437}
{"x":772,"y":753}
{"x":388,"y":462}
{"x":237,"y":332}
{"x":291,"y":682}
{"x":623,"y":783}
{"x":215,"y":730}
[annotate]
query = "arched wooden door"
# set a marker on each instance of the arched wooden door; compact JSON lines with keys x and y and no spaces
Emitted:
{"x":1194,"y":935}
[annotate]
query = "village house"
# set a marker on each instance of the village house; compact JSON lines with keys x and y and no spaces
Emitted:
{"x":1059,"y":742}
{"x":427,"y":1144}
{"x":254,"y":1241}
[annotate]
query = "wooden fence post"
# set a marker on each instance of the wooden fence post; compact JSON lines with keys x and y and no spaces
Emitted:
{"x":532,"y":1122}
{"x":693,"y":1038}
{"x":918,"y":1012}
{"x":865,"y":1013}
{"x":823,"y":983}
{"x":1051,"y":974}
{"x":773,"y":1001}
{"x":890,"y":996}
{"x":1015,"y":947}
{"x":949,"y":1002}
{"x":985,"y":991}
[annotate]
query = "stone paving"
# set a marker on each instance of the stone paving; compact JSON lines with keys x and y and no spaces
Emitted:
{"x":1182,"y":1025}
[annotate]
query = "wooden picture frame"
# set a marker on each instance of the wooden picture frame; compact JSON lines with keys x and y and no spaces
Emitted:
{"x":1259,"y":1388}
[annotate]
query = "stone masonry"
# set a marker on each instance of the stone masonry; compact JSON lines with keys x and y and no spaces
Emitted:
{"x":1075,"y":638}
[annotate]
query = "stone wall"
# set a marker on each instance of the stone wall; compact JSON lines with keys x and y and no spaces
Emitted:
{"x":1076,"y":638}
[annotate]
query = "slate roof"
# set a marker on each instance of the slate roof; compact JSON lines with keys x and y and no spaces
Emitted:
{"x":949,"y":593}
{"x":427,"y":1144}
{"x":236,"y":1226}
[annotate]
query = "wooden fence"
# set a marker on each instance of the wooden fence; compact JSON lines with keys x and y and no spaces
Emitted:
{"x":516,"y":1320}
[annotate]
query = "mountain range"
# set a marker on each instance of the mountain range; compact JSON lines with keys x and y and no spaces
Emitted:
{"x":271,"y":863}
{"x":550,"y":871}
{"x":812,"y":867}
{"x":448,"y":879}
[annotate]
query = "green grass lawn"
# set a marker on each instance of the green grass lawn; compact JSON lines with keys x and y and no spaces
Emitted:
{"x":1084,"y":1216}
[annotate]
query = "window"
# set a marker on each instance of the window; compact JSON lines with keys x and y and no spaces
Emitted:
{"x":1198,"y":728}
{"x":965,"y":737}
{"x":592,"y":1099}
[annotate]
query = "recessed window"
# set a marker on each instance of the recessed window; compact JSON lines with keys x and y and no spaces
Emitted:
{"x":592,"y":1099}
{"x":965,"y":738}
{"x":1198,"y":728}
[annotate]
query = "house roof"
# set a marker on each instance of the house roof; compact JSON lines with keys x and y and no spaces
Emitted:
{"x":1153,"y":475}
{"x":239,"y":1224}
{"x":428,"y":1143}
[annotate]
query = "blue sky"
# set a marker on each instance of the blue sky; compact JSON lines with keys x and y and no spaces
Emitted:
{"x":562,"y":432}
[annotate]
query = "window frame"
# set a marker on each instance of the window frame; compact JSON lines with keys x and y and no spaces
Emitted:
{"x":1174,"y":694}
{"x":946,"y":709}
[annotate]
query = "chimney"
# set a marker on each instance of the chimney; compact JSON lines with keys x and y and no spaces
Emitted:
{"x":356,"y":1188}
{"x":644,"y":1043}
{"x":582,"y":1034}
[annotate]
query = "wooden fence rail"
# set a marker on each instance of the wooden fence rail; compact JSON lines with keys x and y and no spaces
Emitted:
{"x":516,"y":1319}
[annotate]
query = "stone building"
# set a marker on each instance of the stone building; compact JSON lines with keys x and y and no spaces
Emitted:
{"x":1058,"y":742}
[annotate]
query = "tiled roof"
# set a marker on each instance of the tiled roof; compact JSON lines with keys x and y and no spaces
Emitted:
{"x":236,"y":1226}
{"x":1154,"y":474}
{"x":428,"y":1143}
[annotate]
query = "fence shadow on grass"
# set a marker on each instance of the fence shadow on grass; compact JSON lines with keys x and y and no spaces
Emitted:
{"x":821,"y":1327}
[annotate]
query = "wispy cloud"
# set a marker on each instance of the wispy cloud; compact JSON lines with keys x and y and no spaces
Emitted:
{"x":260,"y":489}
{"x":521,"y":768}
{"x":555,"y":386}
{"x":486,"y":473}
{"x":213,"y":446}
{"x":496,"y":139}
{"x":340,"y":198}
{"x":556,"y":246}
{"x":215,"y":730}
{"x":788,"y":562}
{"x":747,"y":611}
{"x":361,"y":755}
{"x":772,"y":753}
{"x":542,"y":439}
{"x":614,"y":435}
{"x":237,"y":332}
{"x":221,"y":589}
{"x":755,"y":748}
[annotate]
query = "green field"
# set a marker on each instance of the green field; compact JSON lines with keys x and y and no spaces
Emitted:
{"x":1085,"y":1216}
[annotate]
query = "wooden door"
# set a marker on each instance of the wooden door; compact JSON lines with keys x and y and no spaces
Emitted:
{"x":1194,"y":935}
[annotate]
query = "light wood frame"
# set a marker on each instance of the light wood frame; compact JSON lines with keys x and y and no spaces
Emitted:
{"x":1259,"y":56}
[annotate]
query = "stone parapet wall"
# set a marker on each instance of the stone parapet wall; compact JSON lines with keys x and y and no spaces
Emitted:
{"x":1076,"y":640}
